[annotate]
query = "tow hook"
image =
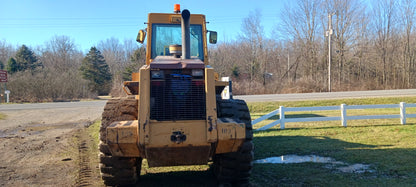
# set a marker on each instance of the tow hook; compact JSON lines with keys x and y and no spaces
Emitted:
{"x":177,"y":137}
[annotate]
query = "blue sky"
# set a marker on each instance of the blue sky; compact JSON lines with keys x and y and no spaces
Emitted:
{"x":86,"y":22}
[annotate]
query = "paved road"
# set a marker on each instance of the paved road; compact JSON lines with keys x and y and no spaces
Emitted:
{"x":68,"y":105}
{"x":328,"y":95}
{"x":50,"y":113}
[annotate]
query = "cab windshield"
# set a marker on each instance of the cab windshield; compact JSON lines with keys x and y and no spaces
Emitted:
{"x":164,"y":35}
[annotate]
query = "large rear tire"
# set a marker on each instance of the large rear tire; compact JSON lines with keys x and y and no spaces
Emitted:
{"x":118,"y":171}
{"x":235,"y":168}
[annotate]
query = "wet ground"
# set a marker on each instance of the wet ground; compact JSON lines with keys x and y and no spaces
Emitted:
{"x":330,"y":162}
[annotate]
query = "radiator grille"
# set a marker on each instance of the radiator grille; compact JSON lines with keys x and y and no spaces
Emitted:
{"x":177,"y":97}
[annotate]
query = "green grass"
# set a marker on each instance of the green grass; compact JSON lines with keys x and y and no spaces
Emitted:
{"x":94,"y":132}
{"x":270,"y":106}
{"x":388,"y":147}
{"x":2,"y":116}
{"x":390,"y":150}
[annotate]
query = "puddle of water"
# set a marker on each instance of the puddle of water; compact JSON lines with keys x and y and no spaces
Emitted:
{"x":355,"y":168}
{"x":289,"y":159}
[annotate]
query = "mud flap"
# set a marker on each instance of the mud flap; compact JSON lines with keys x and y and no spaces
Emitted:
{"x":176,"y":156}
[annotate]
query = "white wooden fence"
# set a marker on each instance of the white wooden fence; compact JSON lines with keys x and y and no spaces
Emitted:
{"x":343,"y":118}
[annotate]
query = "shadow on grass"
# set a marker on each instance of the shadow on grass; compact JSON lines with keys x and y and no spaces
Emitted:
{"x":328,"y":127}
{"x":391,"y":166}
{"x":301,"y":145}
{"x":178,"y":178}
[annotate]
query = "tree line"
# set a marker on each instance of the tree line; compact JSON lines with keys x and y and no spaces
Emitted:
{"x":373,"y":47}
{"x":58,"y":71}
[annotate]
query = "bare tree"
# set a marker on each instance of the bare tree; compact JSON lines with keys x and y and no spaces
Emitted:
{"x":362,"y":54}
{"x":112,"y":51}
{"x":6,"y":51}
{"x":348,"y":15}
{"x":300,"y":24}
{"x":384,"y":20}
{"x":252,"y":36}
{"x":407,"y":17}
{"x":60,"y":54}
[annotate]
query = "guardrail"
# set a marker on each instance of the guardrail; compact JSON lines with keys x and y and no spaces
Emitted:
{"x":343,"y":118}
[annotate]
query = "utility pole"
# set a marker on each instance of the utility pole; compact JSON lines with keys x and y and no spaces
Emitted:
{"x":288,"y":64}
{"x":329,"y":32}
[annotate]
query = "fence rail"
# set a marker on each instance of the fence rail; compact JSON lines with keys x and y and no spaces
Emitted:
{"x":343,"y":117}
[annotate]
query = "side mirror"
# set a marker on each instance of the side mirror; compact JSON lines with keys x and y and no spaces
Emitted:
{"x":212,"y":37}
{"x":141,"y":36}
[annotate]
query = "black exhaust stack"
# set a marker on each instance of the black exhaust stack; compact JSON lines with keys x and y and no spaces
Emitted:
{"x":186,"y":48}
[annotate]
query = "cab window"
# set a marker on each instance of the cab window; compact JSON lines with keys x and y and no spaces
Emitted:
{"x":164,"y":35}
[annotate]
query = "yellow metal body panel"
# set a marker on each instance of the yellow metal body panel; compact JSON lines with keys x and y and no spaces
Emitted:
{"x":131,"y":87}
{"x":135,"y":76}
{"x":160,"y":133}
{"x":144,"y":105}
{"x":112,"y":134}
{"x":211,"y":103}
{"x":231,"y":135}
{"x":197,"y":19}
{"x":222,"y":83}
{"x":163,"y":150}
{"x":122,"y":138}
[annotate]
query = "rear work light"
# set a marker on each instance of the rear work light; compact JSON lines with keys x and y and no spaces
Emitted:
{"x":157,"y":74}
{"x":197,"y":73}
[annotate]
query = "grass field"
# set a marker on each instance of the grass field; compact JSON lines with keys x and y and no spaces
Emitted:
{"x":386,"y":146}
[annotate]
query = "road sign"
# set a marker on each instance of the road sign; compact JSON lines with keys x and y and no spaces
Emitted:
{"x":3,"y":76}
{"x":7,"y":92}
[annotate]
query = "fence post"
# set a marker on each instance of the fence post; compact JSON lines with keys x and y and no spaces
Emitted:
{"x":282,"y":117}
{"x":403,"y":113}
{"x":344,"y":115}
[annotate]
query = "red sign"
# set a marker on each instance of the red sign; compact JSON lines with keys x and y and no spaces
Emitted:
{"x":3,"y":76}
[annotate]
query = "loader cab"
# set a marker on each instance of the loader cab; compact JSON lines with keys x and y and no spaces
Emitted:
{"x":164,"y":30}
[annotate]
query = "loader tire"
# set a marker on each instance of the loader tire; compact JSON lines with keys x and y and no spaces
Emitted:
{"x":117,"y":171}
{"x":234,"y":169}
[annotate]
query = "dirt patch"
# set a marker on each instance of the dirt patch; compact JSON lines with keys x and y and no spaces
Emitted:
{"x":48,"y":155}
{"x":88,"y":171}
{"x":34,"y":158}
{"x":44,"y":144}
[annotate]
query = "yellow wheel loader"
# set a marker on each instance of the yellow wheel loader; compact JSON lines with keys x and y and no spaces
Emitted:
{"x":175,"y":114}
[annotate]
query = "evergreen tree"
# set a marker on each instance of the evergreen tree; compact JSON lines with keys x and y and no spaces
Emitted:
{"x":1,"y":65}
{"x":26,"y":59}
{"x":96,"y":70}
{"x":137,"y":59}
{"x":235,"y":70}
{"x":12,"y":66}
{"x":129,"y":70}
